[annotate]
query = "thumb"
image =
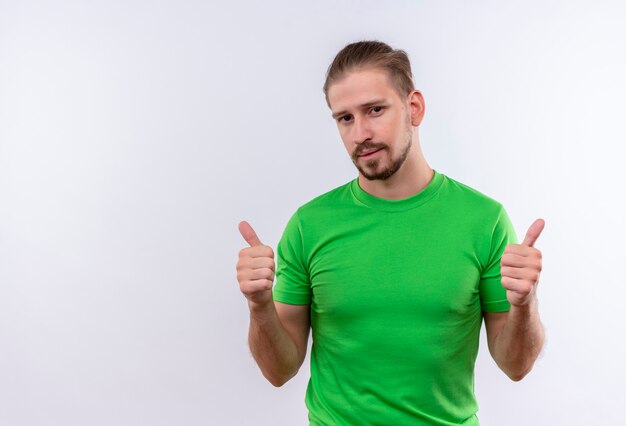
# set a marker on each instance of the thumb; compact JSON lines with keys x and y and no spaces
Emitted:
{"x":248,"y":234}
{"x":533,"y":232}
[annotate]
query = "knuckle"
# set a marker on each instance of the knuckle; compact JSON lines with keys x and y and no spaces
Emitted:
{"x":240,"y":265}
{"x":254,"y":287}
{"x":262,"y":251}
{"x":243,"y":276}
{"x":245,"y":288}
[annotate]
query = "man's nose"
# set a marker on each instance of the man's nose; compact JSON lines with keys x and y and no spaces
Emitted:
{"x":361,"y":131}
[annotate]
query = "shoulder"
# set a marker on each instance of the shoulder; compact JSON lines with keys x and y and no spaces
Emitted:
{"x":319,"y":212}
{"x":471,"y":199}
{"x":327,"y":201}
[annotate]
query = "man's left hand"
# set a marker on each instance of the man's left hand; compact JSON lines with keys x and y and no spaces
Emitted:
{"x":520,"y":267}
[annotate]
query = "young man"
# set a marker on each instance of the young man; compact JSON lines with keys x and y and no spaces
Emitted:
{"x":393,"y":272}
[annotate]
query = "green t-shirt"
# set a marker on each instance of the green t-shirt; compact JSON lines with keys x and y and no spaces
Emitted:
{"x":397,"y":289}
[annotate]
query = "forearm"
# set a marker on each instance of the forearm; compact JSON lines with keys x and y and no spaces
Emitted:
{"x":273,"y":349}
{"x":519,"y":343}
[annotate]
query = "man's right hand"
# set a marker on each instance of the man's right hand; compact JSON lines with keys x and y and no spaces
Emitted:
{"x":278,"y":332}
{"x":255,"y":268}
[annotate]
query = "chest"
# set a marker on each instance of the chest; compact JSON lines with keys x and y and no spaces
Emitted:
{"x":404,"y":269}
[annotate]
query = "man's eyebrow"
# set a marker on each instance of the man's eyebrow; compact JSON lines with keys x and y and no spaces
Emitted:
{"x":338,"y":114}
{"x":366,"y":105}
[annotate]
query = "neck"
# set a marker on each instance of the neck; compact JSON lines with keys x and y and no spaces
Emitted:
{"x":412,"y":177}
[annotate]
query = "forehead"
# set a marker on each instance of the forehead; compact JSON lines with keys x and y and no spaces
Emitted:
{"x":358,"y":88}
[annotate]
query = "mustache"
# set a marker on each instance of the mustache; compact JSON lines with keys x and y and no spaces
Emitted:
{"x":367,"y":146}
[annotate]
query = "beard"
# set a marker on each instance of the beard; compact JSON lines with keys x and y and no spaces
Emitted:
{"x":370,"y":169}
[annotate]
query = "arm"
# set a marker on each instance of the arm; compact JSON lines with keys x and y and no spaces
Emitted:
{"x":278,"y":339}
{"x":515,"y":338}
{"x":279,"y":332}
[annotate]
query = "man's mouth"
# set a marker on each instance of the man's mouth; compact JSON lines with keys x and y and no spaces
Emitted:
{"x":369,"y":154}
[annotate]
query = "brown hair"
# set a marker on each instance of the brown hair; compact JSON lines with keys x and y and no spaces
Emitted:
{"x":372,"y":54}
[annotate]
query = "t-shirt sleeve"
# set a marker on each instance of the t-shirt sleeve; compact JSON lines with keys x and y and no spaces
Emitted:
{"x":292,"y":277}
{"x":492,"y":294}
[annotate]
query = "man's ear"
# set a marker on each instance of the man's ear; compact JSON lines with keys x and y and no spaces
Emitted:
{"x":417,"y":106}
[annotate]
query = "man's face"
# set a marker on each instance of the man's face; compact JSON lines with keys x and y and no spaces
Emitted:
{"x":373,"y":120}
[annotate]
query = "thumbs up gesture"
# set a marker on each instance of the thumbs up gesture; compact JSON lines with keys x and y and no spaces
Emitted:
{"x":255,"y":268}
{"x":520,"y":267}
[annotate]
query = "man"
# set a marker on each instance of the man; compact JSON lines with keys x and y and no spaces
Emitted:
{"x":393,"y":272}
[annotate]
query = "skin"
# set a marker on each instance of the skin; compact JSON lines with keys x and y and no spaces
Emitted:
{"x":371,"y":115}
{"x":279,"y":332}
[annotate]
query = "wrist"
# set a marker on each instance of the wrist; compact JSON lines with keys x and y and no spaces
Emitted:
{"x":522,"y":299}
{"x":261,"y":309}
{"x":524,"y":310}
{"x":528,"y":302}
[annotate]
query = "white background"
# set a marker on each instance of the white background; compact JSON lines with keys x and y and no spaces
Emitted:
{"x":135,"y":135}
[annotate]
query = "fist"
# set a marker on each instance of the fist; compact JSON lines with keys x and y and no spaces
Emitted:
{"x":520,"y":267}
{"x":255,"y":268}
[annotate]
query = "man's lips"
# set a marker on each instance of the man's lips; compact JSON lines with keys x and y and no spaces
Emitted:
{"x":369,"y":153}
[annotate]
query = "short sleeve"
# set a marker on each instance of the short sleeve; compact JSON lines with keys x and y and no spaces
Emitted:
{"x":292,"y":277}
{"x":492,"y":293}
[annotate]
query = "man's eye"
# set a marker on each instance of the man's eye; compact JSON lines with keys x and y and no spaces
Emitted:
{"x":376,"y":109}
{"x":345,"y":118}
